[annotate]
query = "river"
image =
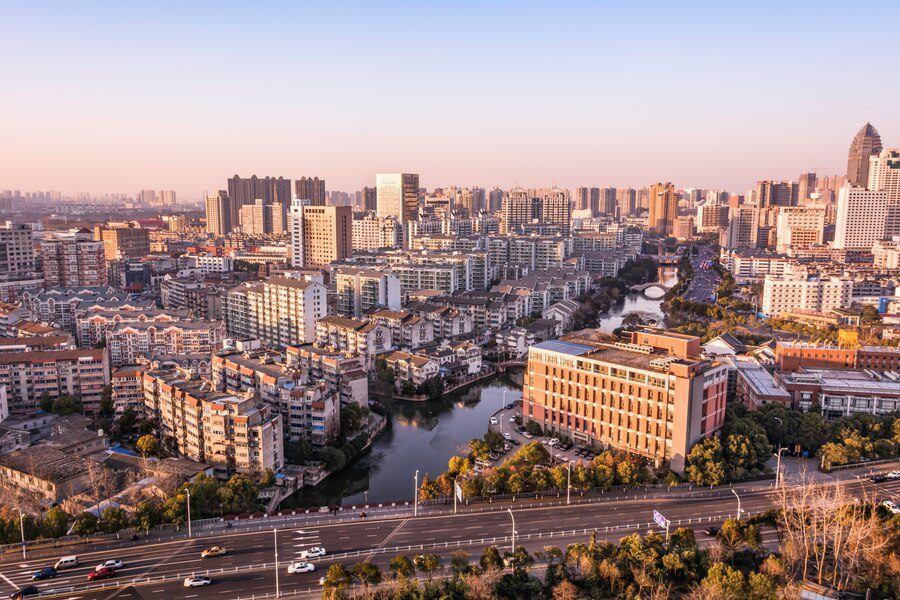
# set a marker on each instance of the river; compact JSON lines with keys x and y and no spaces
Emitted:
{"x":424,"y":435}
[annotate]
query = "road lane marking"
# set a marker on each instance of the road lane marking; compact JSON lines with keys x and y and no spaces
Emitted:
{"x":6,"y":579}
{"x":387,"y":539}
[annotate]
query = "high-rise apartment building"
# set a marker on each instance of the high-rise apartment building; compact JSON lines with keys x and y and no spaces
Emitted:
{"x":806,"y":187}
{"x":236,"y":433}
{"x":397,"y":196}
{"x":798,"y":291}
{"x":123,"y":241}
{"x":884,"y":173}
{"x":277,"y":311}
{"x":743,"y":227}
{"x":546,"y":207}
{"x":320,"y":235}
{"x":663,"y":208}
{"x":865,"y":144}
{"x":360,"y":289}
{"x":17,"y":250}
{"x":247,"y":190}
{"x":260,"y":218}
{"x":372,"y":233}
{"x":777,"y":193}
{"x":310,"y":188}
{"x":654,"y":397}
{"x":606,"y":201}
{"x":73,"y":260}
{"x":369,"y":199}
{"x":218,"y":214}
{"x":627,"y":201}
{"x":861,"y":218}
{"x":799,"y":227}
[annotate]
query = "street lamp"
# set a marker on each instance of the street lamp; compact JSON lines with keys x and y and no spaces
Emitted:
{"x":513,"y":547}
{"x":501,"y":424}
{"x":189,"y":512}
{"x":416,"y":496}
{"x":779,"y":477}
{"x":739,"y":503}
{"x":21,"y":527}
{"x":277,"y":582}
{"x":569,"y":480}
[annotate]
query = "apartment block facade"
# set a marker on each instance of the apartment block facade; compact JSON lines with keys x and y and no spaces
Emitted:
{"x":278,"y":311}
{"x":27,"y":376}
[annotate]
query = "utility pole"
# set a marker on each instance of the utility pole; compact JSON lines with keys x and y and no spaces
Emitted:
{"x":189,"y":512}
{"x":416,"y":496}
{"x":513,"y":547}
{"x":21,"y":528}
{"x":277,"y":583}
{"x":454,"y":495}
{"x":778,"y":466}
{"x":569,"y":481}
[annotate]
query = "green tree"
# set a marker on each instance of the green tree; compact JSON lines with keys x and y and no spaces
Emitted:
{"x":56,"y":523}
{"x":85,"y":524}
{"x":268,"y":478}
{"x":107,"y":408}
{"x":113,"y":520}
{"x":46,"y":402}
{"x":428,"y":564}
{"x":725,"y":581}
{"x":402,"y":567}
{"x":146,"y":516}
{"x":147,"y":445}
{"x":67,"y":405}
{"x":706,"y":464}
{"x":479,"y":449}
{"x":367,"y":573}
{"x":459,"y":563}
{"x":337,"y":579}
{"x":490,"y":559}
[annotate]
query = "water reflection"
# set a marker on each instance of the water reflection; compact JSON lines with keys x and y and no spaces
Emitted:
{"x":639,"y":303}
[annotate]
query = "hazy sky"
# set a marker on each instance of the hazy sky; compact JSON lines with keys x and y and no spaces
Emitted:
{"x":119,"y":96}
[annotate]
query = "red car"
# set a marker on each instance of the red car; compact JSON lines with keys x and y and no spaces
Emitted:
{"x":103,"y":573}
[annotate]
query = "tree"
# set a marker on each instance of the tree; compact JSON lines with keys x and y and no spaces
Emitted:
{"x":46,"y":402}
{"x":479,"y":449}
{"x":459,"y":563}
{"x":113,"y":520}
{"x":565,"y":590}
{"x":337,"y":579}
{"x":56,"y":523}
{"x":727,"y":582}
{"x":67,"y":405}
{"x":402,"y":567}
{"x":107,"y":408}
{"x":85,"y":524}
{"x":429,"y":489}
{"x":147,"y":445}
{"x":428,"y":564}
{"x":490,"y":559}
{"x":146,"y":516}
{"x":268,"y":478}
{"x":353,"y":417}
{"x":367,"y":573}
{"x":706,"y":464}
{"x":126,"y":423}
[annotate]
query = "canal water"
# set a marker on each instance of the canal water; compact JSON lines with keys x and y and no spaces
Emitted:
{"x":424,"y":435}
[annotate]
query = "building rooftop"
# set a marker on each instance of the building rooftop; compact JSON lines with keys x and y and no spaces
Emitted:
{"x":45,"y":462}
{"x":761,"y":381}
{"x":8,"y":358}
{"x":565,"y":347}
{"x":843,"y":381}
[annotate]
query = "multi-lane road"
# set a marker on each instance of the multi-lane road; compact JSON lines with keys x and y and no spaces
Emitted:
{"x":247,"y":569}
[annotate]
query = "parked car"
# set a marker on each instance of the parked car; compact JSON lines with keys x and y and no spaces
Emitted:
{"x":494,"y":420}
{"x":526,"y":435}
{"x":28,"y":590}
{"x":506,"y":435}
{"x":197,"y":581}
{"x":45,"y":573}
{"x":104,"y":573}
{"x":110,"y":564}
{"x":313,"y":552}
{"x":301,"y":566}
{"x":212,"y":552}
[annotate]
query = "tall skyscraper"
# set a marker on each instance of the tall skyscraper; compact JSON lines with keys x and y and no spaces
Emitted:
{"x":607,"y":201}
{"x":246,"y":190}
{"x":663,"y":208}
{"x":807,"y":187}
{"x":627,"y":201}
{"x":218,"y":213}
{"x":320,"y":235}
{"x":884,"y":173}
{"x":397,"y":196}
{"x":495,"y":199}
{"x":861,"y":218}
{"x":370,"y":201}
{"x":865,"y":143}
{"x":310,"y":188}
{"x":549,"y":207}
{"x":743,"y":227}
{"x":777,"y":193}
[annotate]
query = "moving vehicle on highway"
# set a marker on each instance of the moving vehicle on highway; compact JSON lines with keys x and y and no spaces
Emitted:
{"x":301,"y":566}
{"x":313,"y":552}
{"x":197,"y":581}
{"x":893,"y":475}
{"x":878,"y":478}
{"x":28,"y":590}
{"x":891,"y":507}
{"x":110,"y":564}
{"x":66,"y":562}
{"x":104,"y":573}
{"x":212,"y":552}
{"x":45,"y":573}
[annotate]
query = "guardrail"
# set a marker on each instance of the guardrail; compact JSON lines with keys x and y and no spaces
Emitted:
{"x":868,"y":463}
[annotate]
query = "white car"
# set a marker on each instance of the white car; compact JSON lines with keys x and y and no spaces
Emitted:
{"x":526,"y":435}
{"x":891,"y":507}
{"x":507,"y":436}
{"x":893,"y":475}
{"x":301,"y":567}
{"x":494,"y":420}
{"x":197,"y":581}
{"x":553,"y":442}
{"x":312,"y":552}
{"x":512,"y":419}
{"x":110,"y":564}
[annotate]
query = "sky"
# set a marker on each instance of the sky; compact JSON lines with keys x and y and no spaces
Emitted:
{"x":122,"y":96}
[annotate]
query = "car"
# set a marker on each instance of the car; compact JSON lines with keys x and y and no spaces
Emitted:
{"x":301,"y":566}
{"x":878,"y":478}
{"x":104,"y":573}
{"x":28,"y":590}
{"x":110,"y":564}
{"x":891,"y":507}
{"x":711,"y":531}
{"x":45,"y":573}
{"x":197,"y":581}
{"x":512,"y":419}
{"x":312,"y":552}
{"x":494,"y":421}
{"x":552,"y":442}
{"x":527,"y":435}
{"x":212,"y":552}
{"x":506,"y":436}
{"x":893,"y":475}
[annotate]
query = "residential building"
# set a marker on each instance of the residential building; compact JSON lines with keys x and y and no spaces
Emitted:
{"x":865,"y":144}
{"x":123,"y":241}
{"x":360,"y":289}
{"x":654,"y":397}
{"x":320,"y":235}
{"x":310,"y":188}
{"x":63,"y":306}
{"x":397,"y":196}
{"x":799,"y":227}
{"x":777,"y":193}
{"x":344,"y":374}
{"x":128,"y":389}
{"x":278,"y":311}
{"x":129,"y":343}
{"x":412,"y":368}
{"x":73,"y":260}
{"x":247,"y":190}
{"x":17,"y":250}
{"x":373,"y":233}
{"x":663,"y":209}
{"x":260,"y":218}
{"x":861,"y":218}
{"x":801,"y":292}
{"x":233,"y":432}
{"x":743,"y":227}
{"x":353,"y":336}
{"x":884,"y":173}
{"x":27,"y":376}
{"x":91,"y":327}
{"x":547,"y":207}
{"x":219,"y":217}
{"x":407,"y":330}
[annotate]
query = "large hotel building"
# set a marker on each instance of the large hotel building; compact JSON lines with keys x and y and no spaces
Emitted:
{"x":653,"y":397}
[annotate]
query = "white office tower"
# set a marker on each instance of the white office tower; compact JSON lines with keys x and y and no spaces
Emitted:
{"x":397,"y":195}
{"x":861,"y":218}
{"x":296,"y":231}
{"x":884,"y":176}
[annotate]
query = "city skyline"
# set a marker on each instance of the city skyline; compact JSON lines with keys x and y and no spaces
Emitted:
{"x":121,"y":98}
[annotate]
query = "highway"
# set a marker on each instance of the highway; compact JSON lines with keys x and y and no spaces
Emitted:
{"x":157,"y":569}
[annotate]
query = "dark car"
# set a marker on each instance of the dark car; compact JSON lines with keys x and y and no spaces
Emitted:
{"x":878,"y":478}
{"x":45,"y":573}
{"x":712,"y":531}
{"x":28,"y":590}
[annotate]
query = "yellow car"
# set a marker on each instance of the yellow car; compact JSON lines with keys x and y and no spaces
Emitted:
{"x":214,"y":551}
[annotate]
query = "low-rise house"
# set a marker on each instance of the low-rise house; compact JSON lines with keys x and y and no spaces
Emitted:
{"x":353,"y":336}
{"x":412,"y":368}
{"x":46,"y":472}
{"x":407,"y":330}
{"x":562,"y":311}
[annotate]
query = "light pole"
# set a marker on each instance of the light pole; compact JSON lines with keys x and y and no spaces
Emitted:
{"x":416,"y":496}
{"x":779,"y":478}
{"x":189,"y":512}
{"x":454,"y":495}
{"x":513,"y":547}
{"x":501,"y":424}
{"x":21,"y":527}
{"x":277,"y":582}
{"x":568,"y":481}
{"x":739,"y":503}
